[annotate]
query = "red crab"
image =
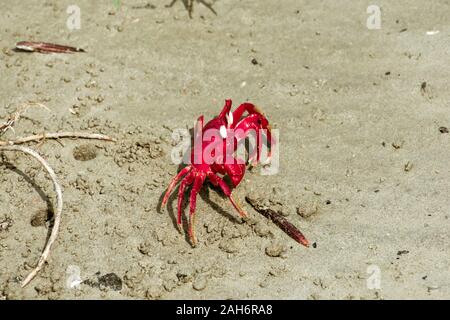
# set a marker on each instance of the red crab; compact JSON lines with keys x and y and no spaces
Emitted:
{"x":201,"y":168}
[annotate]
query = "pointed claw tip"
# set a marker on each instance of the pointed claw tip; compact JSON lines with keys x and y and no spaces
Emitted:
{"x":192,"y":236}
{"x":194,"y":242}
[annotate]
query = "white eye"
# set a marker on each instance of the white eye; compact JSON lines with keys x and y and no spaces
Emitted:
{"x":223,"y":132}
{"x":230,"y":119}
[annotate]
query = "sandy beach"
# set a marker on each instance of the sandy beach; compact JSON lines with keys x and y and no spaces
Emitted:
{"x":363,"y":116}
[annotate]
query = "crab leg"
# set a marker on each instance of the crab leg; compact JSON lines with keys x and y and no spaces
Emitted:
{"x":227,"y":191}
{"x":237,"y":206}
{"x":198,"y":182}
{"x":174,"y":182}
{"x":186,"y":182}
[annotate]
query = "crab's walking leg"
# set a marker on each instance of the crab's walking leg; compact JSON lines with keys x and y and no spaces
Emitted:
{"x":174,"y":182}
{"x":186,"y":182}
{"x":198,"y":182}
{"x":237,"y":206}
{"x":226,"y":190}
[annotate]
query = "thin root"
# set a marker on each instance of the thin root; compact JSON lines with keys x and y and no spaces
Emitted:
{"x":59,"y":205}
{"x":57,"y":135}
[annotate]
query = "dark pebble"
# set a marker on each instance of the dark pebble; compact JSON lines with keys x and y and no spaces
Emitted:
{"x":443,"y":130}
{"x":111,"y":280}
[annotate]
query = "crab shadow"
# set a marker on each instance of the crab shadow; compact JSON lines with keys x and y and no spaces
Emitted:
{"x":38,"y":190}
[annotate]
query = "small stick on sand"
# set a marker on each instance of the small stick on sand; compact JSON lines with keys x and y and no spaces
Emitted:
{"x":59,"y":206}
{"x":57,"y":135}
{"x":45,"y":47}
{"x":280,"y":221}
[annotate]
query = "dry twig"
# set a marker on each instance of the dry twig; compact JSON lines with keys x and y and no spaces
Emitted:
{"x":59,"y":205}
{"x":279,"y":220}
{"x":57,"y":135}
{"x":45,"y":47}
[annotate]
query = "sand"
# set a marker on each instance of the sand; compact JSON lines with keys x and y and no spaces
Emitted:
{"x":363,"y":158}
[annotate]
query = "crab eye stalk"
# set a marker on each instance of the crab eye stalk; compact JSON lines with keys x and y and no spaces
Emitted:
{"x":230,"y":119}
{"x":223,"y":132}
